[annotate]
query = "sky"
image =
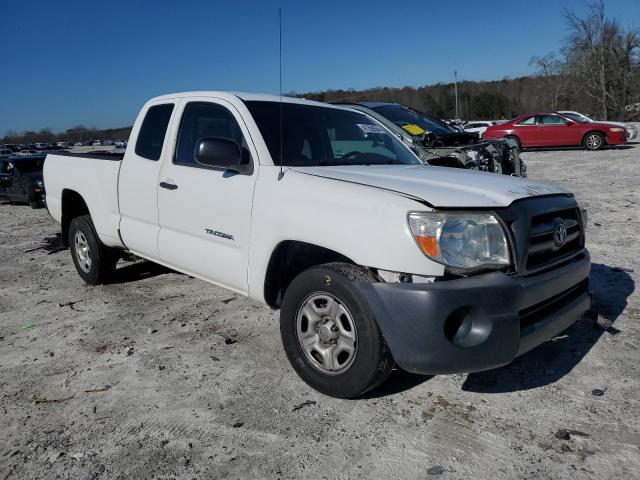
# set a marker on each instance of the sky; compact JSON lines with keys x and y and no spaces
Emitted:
{"x":66,"y":63}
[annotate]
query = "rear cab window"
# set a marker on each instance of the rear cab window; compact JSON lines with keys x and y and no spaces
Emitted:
{"x":153,"y":131}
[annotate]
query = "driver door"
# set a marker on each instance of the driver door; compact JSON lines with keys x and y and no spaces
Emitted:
{"x":204,"y":211}
{"x":528,"y":132}
{"x":557,"y":131}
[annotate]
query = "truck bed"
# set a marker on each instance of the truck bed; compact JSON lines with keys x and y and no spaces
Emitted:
{"x":92,"y":176}
{"x":95,"y":155}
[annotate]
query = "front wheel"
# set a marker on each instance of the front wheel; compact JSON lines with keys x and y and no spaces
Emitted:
{"x":593,"y":141}
{"x":94,"y":261}
{"x":515,"y":140}
{"x":329,"y":333}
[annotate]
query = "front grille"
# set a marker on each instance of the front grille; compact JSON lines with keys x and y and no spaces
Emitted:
{"x":531,"y":223}
{"x":542,"y":249}
{"x":532,"y":315}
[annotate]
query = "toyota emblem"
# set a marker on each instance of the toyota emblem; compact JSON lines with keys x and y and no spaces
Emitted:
{"x":559,"y":232}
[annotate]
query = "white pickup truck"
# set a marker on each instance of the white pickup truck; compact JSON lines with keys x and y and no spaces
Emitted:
{"x":373,"y":258}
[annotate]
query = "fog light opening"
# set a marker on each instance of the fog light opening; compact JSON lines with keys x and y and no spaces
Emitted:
{"x":467,"y":327}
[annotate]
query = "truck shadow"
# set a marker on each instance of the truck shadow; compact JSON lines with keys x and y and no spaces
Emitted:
{"x":546,"y":364}
{"x":139,"y":271}
{"x":399,"y":381}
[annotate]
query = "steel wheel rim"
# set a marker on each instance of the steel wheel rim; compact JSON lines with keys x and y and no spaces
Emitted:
{"x":326,"y":333}
{"x":83,"y":253}
{"x":594,"y":141}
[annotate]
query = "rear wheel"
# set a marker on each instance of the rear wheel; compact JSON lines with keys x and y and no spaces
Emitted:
{"x":593,"y":141}
{"x":330,"y":335}
{"x":94,"y":261}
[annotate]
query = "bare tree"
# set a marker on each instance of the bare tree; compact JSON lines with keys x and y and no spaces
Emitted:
{"x":551,"y":71}
{"x":603,"y":57}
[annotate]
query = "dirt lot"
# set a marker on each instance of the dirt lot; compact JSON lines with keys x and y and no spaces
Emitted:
{"x":163,"y":376}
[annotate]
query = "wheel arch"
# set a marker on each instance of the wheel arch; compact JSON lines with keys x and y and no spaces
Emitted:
{"x":290,"y":258}
{"x":72,"y":205}
{"x":514,"y":137}
{"x":595,"y":130}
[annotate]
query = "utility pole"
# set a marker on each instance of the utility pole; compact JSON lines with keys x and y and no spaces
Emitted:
{"x":455,"y":84}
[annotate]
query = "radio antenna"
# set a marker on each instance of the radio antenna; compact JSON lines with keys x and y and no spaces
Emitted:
{"x":281,"y":174}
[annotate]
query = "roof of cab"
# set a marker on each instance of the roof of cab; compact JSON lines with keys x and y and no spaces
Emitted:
{"x":259,"y":97}
{"x":378,"y":104}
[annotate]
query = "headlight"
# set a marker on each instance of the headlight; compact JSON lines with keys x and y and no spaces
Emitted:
{"x":585,"y":216}
{"x":617,"y":129}
{"x":462,"y":241}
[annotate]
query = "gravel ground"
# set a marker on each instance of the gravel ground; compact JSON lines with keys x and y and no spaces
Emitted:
{"x":159,"y":375}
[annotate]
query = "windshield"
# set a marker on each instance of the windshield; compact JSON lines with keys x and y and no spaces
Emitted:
{"x":401,"y":132}
{"x":405,"y":116}
{"x":576,"y":117}
{"x":314,"y":135}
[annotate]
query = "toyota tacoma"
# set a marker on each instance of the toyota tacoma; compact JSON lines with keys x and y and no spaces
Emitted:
{"x":373,"y":258}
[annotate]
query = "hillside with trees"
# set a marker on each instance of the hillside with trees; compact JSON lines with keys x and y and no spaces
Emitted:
{"x":72,"y":135}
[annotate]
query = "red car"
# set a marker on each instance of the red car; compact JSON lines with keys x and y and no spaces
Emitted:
{"x":553,"y":129}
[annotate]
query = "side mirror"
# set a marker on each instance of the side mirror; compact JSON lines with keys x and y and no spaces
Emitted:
{"x":568,"y":123}
{"x":221,"y":153}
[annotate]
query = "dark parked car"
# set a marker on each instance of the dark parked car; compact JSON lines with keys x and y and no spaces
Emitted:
{"x":448,"y":147}
{"x":10,"y":146}
{"x":436,"y":132}
{"x":21,"y":180}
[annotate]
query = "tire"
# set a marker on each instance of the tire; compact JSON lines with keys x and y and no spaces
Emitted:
{"x":35,"y":204}
{"x":515,"y":139}
{"x":359,"y":359}
{"x":593,"y":141}
{"x":94,"y":261}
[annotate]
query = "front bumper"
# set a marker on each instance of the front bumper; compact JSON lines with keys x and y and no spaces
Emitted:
{"x":477,"y":323}
{"x":617,"y":138}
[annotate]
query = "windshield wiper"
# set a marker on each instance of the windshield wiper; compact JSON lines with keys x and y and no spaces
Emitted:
{"x":326,"y":162}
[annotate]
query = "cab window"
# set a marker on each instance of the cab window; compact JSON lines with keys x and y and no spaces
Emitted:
{"x":206,"y":120}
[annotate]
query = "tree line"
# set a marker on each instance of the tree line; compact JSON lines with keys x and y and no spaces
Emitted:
{"x":598,"y":66}
{"x":76,"y":134}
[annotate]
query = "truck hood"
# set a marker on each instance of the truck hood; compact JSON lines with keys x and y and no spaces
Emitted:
{"x":439,"y":186}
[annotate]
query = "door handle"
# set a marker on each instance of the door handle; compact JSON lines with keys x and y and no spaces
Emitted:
{"x":168,"y":186}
